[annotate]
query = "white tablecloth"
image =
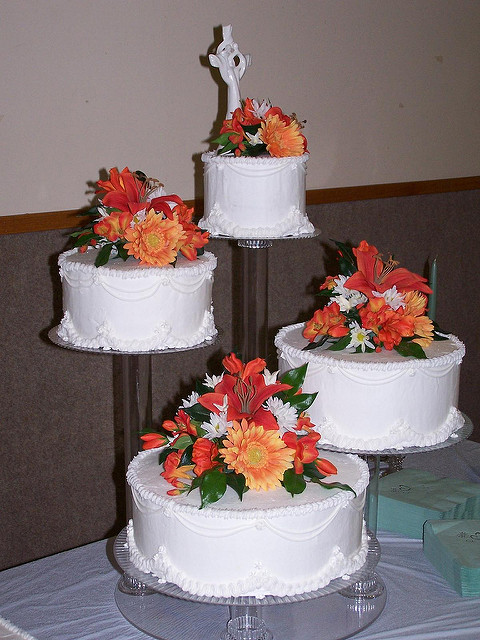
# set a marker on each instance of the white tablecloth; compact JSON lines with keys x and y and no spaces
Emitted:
{"x":70,"y":596}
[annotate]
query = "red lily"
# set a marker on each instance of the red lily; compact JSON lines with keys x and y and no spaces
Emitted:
{"x":162,"y":204}
{"x":246,"y":392}
{"x":122,"y":189}
{"x":375,"y":275}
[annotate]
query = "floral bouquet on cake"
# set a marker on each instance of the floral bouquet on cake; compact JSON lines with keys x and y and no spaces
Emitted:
{"x":259,"y":128}
{"x":136,"y":218}
{"x":245,"y":429}
{"x":372,"y":304}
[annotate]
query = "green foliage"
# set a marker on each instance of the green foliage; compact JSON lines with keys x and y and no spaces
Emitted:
{"x":213,"y":484}
{"x":293,"y":482}
{"x":237,"y":482}
{"x":409,"y":348}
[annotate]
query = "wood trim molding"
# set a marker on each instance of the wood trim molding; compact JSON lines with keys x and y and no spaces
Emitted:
{"x":29,"y":222}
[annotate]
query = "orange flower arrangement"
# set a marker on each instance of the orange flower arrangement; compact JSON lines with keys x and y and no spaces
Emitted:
{"x":245,"y":429}
{"x":259,"y":128}
{"x":372,"y":304}
{"x":136,"y":218}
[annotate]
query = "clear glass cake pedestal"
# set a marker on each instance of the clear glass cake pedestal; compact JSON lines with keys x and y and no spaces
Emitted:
{"x":254,"y":298}
{"x":168,"y":613}
{"x":371,"y":585}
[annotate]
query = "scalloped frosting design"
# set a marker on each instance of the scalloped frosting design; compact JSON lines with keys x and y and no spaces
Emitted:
{"x":259,"y":546}
{"x":260,"y":197}
{"x":377,"y":401}
{"x":129,"y":307}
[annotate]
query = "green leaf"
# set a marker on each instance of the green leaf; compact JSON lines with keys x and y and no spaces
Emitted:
{"x":302,"y":401}
{"x":182,"y":443}
{"x":410,"y":349}
{"x":222,"y":139}
{"x":103,"y":255}
{"x":293,"y":482}
{"x":213,"y":486}
{"x":237,"y":482}
{"x":340,"y":344}
{"x":122,"y":252}
{"x":202,"y":388}
{"x":295,"y":378}
{"x":346,"y":260}
{"x":315,"y":345}
{"x":186,"y":457}
{"x":162,"y":456}
{"x":333,"y":485}
{"x":198,"y":413}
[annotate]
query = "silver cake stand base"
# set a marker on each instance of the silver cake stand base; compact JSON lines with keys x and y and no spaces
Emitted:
{"x":168,"y":613}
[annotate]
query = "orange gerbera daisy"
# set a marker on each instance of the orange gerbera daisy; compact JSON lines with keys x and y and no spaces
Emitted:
{"x":282,"y":139}
{"x":259,"y":454}
{"x":155,"y":240}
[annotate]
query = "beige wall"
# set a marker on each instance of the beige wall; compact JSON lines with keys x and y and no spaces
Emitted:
{"x":389,"y":89}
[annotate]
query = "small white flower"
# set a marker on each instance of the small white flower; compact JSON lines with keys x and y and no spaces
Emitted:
{"x":212,"y":381}
{"x":217,"y":426}
{"x":346,"y":298}
{"x":285,"y":415}
{"x":260,"y":108}
{"x":224,"y":406}
{"x":270,"y":378}
{"x":254,"y":139}
{"x":190,"y":400}
{"x":359,"y":337}
{"x":103,"y":213}
{"x":392,"y":297}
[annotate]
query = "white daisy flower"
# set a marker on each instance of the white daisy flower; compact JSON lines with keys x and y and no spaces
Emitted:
{"x":212,"y":381}
{"x":217,"y":426}
{"x":190,"y":400}
{"x":359,"y":337}
{"x":260,"y":108}
{"x":254,"y":139}
{"x":285,"y":415}
{"x":392,"y":297}
{"x":270,"y":378}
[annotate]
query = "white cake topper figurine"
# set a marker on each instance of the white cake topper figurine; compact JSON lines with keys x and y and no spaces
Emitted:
{"x":232,"y":65}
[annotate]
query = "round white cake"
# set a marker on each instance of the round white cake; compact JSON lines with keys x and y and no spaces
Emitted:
{"x":130,"y":307}
{"x":270,"y":543}
{"x":377,"y":401}
{"x":261,"y":197}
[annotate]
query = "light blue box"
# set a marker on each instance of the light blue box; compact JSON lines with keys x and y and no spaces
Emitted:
{"x":410,"y":497}
{"x":453,"y":547}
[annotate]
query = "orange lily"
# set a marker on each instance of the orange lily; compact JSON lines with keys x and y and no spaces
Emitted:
{"x":114,"y":226}
{"x":326,"y":321}
{"x":375,"y":275}
{"x":304,"y":446}
{"x":203,"y":455}
{"x":173,"y":473}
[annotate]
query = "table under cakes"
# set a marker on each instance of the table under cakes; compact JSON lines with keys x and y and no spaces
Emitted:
{"x":70,"y":596}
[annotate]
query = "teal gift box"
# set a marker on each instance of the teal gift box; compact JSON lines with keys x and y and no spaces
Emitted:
{"x":453,"y":547}
{"x":410,"y":497}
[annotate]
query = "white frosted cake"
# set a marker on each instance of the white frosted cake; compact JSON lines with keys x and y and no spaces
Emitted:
{"x":255,"y":197}
{"x":268,"y":543}
{"x":131,"y":307}
{"x":376,"y":401}
{"x":139,"y":279}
